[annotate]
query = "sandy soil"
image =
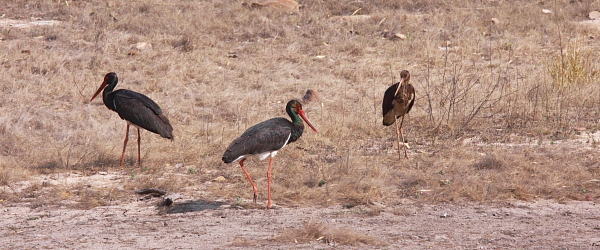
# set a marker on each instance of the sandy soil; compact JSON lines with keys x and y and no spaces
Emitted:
{"x":198,"y":224}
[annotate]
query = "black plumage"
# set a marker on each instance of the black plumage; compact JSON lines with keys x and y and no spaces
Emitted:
{"x":266,"y":139}
{"x":140,"y":111}
{"x":137,"y":109}
{"x":270,"y":135}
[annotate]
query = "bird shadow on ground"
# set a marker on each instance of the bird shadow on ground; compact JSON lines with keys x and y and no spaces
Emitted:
{"x":194,"y":206}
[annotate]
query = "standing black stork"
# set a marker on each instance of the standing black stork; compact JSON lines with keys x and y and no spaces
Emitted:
{"x":397,"y":101}
{"x":265,"y":139}
{"x":137,"y":109}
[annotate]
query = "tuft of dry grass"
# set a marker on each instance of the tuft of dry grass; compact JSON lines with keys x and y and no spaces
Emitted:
{"x":311,"y":231}
{"x":574,"y":67}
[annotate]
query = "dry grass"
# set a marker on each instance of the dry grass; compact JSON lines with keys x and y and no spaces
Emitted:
{"x":474,"y":79}
{"x":313,"y":231}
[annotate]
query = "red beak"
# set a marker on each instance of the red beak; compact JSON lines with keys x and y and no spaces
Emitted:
{"x":99,"y":90}
{"x":303,"y":115}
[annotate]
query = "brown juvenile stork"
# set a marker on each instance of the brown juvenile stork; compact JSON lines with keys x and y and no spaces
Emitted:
{"x":397,"y":101}
{"x":265,"y":139}
{"x":137,"y":109}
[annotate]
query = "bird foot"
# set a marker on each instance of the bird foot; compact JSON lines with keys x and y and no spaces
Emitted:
{"x":273,"y":206}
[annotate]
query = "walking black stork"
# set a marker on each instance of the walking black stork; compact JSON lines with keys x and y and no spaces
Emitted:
{"x":397,"y":101}
{"x":137,"y":109}
{"x":265,"y":139}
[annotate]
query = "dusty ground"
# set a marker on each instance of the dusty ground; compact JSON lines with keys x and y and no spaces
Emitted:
{"x":199,"y":224}
{"x":199,"y":221}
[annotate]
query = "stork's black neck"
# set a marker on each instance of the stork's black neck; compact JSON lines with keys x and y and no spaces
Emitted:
{"x":292,"y":110}
{"x":110,"y":86}
{"x":106,"y":98}
{"x":294,"y":115}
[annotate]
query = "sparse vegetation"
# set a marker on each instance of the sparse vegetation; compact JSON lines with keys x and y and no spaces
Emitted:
{"x":311,"y":231}
{"x":498,"y":112}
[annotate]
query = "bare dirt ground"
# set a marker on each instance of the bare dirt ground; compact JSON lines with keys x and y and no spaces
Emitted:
{"x":199,"y":224}
{"x":199,"y":221}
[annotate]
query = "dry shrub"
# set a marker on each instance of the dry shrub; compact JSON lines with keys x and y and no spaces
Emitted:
{"x":314,"y":231}
{"x":9,"y":175}
{"x":169,"y":183}
{"x":86,"y":197}
{"x":78,"y":196}
{"x":574,"y":67}
{"x":489,"y":162}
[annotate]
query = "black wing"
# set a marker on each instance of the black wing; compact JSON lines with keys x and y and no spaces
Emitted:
{"x":266,"y":136}
{"x":388,"y":98}
{"x":141,"y":111}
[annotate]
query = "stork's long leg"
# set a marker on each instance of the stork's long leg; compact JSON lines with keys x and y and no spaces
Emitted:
{"x":254,"y":189}
{"x":269,"y":182}
{"x":398,"y":137}
{"x":125,"y":145}
{"x":403,"y":141}
{"x":139,"y":139}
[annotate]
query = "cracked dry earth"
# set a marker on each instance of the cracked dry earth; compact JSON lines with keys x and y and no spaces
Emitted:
{"x":197,"y":224}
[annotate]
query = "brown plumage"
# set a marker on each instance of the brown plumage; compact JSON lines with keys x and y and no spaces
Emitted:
{"x":398,"y":101}
{"x":310,"y":96}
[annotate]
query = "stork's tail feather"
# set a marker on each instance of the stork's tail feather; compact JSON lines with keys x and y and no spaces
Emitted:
{"x":164,"y":128}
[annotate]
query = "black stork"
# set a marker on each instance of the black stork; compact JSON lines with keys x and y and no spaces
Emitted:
{"x":137,"y":109}
{"x":265,"y":139}
{"x":397,"y":101}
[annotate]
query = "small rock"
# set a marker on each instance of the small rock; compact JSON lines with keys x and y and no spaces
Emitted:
{"x":102,"y":173}
{"x":388,"y":34}
{"x":290,"y":6}
{"x":220,"y":178}
{"x":546,"y":11}
{"x":441,"y":237}
{"x":351,"y":18}
{"x":495,"y":21}
{"x":169,"y":199}
{"x":445,"y":215}
{"x":400,"y":36}
{"x":178,"y":165}
{"x":143,"y":46}
{"x":594,"y":15}
{"x":52,"y":183}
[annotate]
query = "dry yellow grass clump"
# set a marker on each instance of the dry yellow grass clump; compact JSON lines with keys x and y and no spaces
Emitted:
{"x":504,"y":110}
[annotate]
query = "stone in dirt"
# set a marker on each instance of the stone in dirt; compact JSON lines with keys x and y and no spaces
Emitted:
{"x":285,"y":5}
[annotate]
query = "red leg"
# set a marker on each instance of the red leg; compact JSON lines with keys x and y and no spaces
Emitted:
{"x":139,"y":139}
{"x":125,"y":145}
{"x":254,"y":189}
{"x":398,"y":136}
{"x":269,"y":183}
{"x":403,"y":141}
